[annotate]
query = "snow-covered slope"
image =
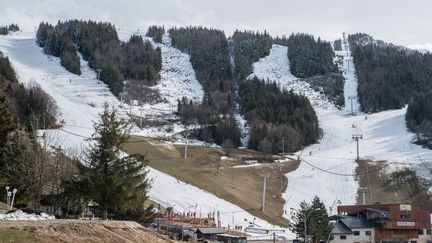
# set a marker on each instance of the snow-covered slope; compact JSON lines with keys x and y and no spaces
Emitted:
{"x":385,"y":136}
{"x":275,"y":68}
{"x":80,"y":99}
{"x":178,"y":80}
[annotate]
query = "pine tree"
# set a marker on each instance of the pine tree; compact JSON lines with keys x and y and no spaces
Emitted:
{"x":320,"y":226}
{"x":117,"y":184}
{"x":317,"y":222}
{"x":7,"y":126}
{"x":20,"y":170}
{"x":7,"y":121}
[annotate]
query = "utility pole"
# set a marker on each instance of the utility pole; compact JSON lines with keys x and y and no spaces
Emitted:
{"x":265,"y":178}
{"x":351,"y":98}
{"x":343,"y":34}
{"x":141,"y":116}
{"x":283,"y":145}
{"x":98,"y":74}
{"x":186,"y":143}
{"x":356,"y":138}
{"x":363,"y":191}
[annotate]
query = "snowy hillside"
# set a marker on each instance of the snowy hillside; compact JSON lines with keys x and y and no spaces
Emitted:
{"x":275,"y":67}
{"x":80,"y":99}
{"x":178,"y":80}
{"x":385,"y":136}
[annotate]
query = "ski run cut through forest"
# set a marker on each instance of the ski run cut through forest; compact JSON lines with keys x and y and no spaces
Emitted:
{"x":80,"y":99}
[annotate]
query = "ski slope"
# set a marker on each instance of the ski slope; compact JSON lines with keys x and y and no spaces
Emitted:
{"x":385,"y":136}
{"x":275,"y":68}
{"x":80,"y":99}
{"x":178,"y":80}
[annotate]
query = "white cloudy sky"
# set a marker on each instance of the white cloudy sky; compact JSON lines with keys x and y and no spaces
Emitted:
{"x":407,"y":22}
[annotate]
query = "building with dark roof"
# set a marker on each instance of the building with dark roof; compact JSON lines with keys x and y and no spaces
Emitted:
{"x":382,"y":223}
{"x":209,"y":233}
{"x":352,"y":229}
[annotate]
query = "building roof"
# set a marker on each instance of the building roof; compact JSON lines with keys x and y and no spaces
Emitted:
{"x":354,"y":222}
{"x":210,"y":230}
{"x":340,"y":228}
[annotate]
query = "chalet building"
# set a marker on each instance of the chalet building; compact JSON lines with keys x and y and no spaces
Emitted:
{"x":381,"y":223}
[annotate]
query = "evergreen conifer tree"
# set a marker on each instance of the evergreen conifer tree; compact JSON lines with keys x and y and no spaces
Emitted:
{"x":7,"y":121}
{"x":318,"y":226}
{"x":117,"y":184}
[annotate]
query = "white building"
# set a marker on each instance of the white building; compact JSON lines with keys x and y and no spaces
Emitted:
{"x":352,"y":229}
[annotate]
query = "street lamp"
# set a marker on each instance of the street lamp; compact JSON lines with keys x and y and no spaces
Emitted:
{"x":7,"y":195}
{"x":13,"y":198}
{"x":182,"y":219}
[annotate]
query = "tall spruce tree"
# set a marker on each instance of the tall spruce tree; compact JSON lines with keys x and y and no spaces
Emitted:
{"x":7,"y":126}
{"x":119,"y":185}
{"x":318,"y":226}
{"x":7,"y":121}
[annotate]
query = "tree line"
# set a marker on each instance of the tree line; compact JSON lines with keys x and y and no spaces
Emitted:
{"x":281,"y":120}
{"x":419,"y":116}
{"x":67,"y":181}
{"x":156,"y":32}
{"x":309,"y":57}
{"x":248,"y":47}
{"x":24,"y":164}
{"x":388,"y":75}
{"x":209,"y":55}
{"x":33,"y":108}
{"x":98,"y":44}
{"x":4,"y":30}
{"x":212,"y":126}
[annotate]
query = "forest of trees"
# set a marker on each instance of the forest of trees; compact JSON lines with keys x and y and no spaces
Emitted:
{"x":209,"y":55}
{"x":388,"y":75}
{"x":309,"y":57}
{"x":156,"y":32}
{"x":117,"y":184}
{"x":280,"y":120}
{"x":4,"y":30}
{"x":213,"y":127}
{"x":419,"y":115}
{"x":32,"y":107}
{"x":331,"y":85}
{"x":99,"y":45}
{"x":279,"y":117}
{"x":248,"y":47}
{"x":24,"y":164}
{"x":337,"y":45}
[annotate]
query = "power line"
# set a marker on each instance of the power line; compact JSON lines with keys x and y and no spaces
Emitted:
{"x":361,"y":174}
{"x":300,"y":158}
{"x":342,"y":174}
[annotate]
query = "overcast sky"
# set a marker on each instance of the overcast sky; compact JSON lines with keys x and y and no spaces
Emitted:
{"x":407,"y":22}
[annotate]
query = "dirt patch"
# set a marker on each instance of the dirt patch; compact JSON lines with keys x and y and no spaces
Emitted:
{"x":401,"y":186}
{"x":213,"y":170}
{"x":77,"y":231}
